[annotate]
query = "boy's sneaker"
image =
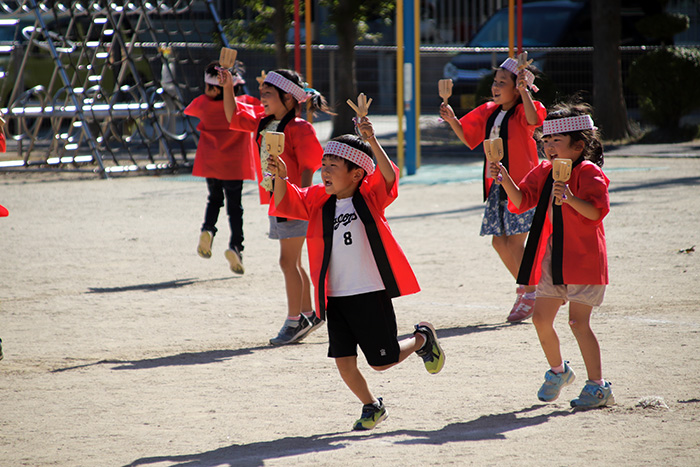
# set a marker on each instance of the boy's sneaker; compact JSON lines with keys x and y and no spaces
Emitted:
{"x":522,"y":310}
{"x":315,"y":322}
{"x":204,"y":247}
{"x":372,"y":414}
{"x":292,"y":331}
{"x":594,"y":395}
{"x":431,"y":352}
{"x":553,"y":383}
{"x":235,"y":260}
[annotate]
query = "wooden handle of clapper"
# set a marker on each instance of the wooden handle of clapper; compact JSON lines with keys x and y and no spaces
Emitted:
{"x":227,"y":57}
{"x":274,"y":143}
{"x":561,"y":172}
{"x":362,"y":107}
{"x":445,"y":89}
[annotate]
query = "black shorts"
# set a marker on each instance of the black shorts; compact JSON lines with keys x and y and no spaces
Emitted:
{"x":367,"y":320}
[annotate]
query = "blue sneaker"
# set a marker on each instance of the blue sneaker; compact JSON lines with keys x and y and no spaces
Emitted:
{"x":553,"y":383}
{"x":372,"y":414}
{"x":594,"y":395}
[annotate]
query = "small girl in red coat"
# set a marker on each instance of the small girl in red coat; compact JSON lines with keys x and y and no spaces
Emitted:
{"x":513,"y":116}
{"x":565,"y":253}
{"x":281,"y":94}
{"x":225,"y":158}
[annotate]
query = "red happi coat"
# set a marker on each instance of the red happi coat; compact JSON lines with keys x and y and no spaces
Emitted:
{"x":222,"y":153}
{"x":521,"y":147}
{"x":584,"y":256}
{"x":307,"y":204}
{"x":302,"y":150}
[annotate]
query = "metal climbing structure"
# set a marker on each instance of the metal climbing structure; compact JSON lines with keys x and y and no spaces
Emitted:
{"x":100,"y":86}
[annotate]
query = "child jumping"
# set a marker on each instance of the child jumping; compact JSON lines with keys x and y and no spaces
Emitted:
{"x":566,"y":254}
{"x":356,"y":264}
{"x":281,"y":93}
{"x":513,"y":116}
{"x":225,"y":158}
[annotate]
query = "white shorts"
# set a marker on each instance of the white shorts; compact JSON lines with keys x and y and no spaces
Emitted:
{"x":587,"y":294}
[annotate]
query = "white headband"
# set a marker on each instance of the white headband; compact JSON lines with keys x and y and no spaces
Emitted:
{"x":565,"y":125}
{"x":346,"y":151}
{"x":214,"y":81}
{"x":209,"y":79}
{"x":286,"y":85}
{"x":511,"y":65}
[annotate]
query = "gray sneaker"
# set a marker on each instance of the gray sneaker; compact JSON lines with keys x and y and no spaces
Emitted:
{"x":553,"y":383}
{"x":594,"y":395}
{"x":235,"y":260}
{"x":292,"y":331}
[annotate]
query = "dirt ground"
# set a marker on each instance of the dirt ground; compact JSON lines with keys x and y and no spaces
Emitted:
{"x":123,"y":347}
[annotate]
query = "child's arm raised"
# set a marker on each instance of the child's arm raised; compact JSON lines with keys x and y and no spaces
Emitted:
{"x":230,"y":105}
{"x":447,"y":114}
{"x":528,"y":104}
{"x":383,"y":162}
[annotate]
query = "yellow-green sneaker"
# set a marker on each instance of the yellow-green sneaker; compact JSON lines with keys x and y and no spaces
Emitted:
{"x":431,"y":352}
{"x":372,"y":414}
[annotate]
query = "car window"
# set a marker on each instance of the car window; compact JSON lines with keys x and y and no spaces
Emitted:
{"x":541,"y":28}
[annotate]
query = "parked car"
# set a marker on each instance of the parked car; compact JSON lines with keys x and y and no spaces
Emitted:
{"x":554,"y":24}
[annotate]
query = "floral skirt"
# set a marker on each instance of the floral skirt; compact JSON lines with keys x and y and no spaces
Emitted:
{"x":499,"y":221}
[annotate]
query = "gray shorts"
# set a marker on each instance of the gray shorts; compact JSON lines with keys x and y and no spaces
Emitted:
{"x":288,"y":228}
{"x":587,"y":294}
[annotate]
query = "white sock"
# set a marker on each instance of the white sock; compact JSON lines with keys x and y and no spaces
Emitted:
{"x":558,"y":369}
{"x":529,"y":295}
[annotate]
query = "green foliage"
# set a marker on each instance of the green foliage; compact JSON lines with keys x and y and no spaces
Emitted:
{"x":663,"y":26}
{"x":666,"y":81}
{"x":255,"y":29}
{"x":361,"y":13}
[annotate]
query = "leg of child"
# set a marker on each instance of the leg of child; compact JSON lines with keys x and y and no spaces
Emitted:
{"x":214,"y":203}
{"x":234,"y":208}
{"x":296,"y":280}
{"x":406,"y":347}
{"x":510,"y":249}
{"x":580,"y":323}
{"x":543,"y":318}
{"x":347,"y":367}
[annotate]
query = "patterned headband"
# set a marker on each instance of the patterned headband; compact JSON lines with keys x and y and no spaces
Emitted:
{"x":511,"y":65}
{"x":286,"y":85}
{"x":347,"y":152}
{"x":565,"y":125}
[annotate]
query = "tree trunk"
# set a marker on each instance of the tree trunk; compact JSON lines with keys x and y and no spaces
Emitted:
{"x":608,"y":97}
{"x":279,"y":28}
{"x":345,"y":67}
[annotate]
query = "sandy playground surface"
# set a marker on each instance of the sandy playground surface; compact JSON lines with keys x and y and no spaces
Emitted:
{"x":123,"y":347}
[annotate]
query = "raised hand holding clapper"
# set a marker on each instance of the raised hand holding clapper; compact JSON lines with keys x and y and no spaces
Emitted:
{"x":361,"y":109}
{"x":445,"y":89}
{"x":493,"y":149}
{"x":274,"y":146}
{"x":561,"y":172}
